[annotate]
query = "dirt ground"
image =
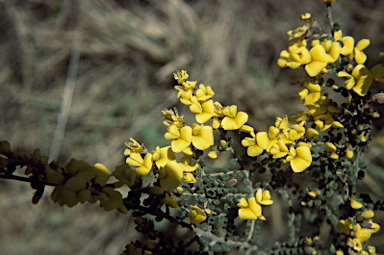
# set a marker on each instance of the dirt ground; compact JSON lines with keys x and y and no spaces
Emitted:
{"x":111,"y":62}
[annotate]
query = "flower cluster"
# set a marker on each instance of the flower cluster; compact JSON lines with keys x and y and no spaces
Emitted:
{"x":78,"y":181}
{"x":323,"y":56}
{"x":251,"y":209}
{"x":281,"y":141}
{"x":326,"y":141}
{"x":358,"y":230}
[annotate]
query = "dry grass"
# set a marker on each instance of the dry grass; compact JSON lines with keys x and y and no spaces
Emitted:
{"x":111,"y":62}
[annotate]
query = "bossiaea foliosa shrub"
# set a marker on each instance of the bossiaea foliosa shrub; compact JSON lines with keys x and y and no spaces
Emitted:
{"x":311,"y":160}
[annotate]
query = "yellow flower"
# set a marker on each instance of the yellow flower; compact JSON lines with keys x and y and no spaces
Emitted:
{"x":345,"y":226}
{"x":170,"y":176}
{"x":163,"y":155}
{"x":186,"y":86}
{"x":197,"y":215}
{"x":299,"y":158}
{"x":208,"y":111}
{"x":306,"y":16}
{"x":111,"y":199}
{"x":299,"y":116}
{"x":296,"y":132}
{"x":296,"y":55}
{"x":362,"y":234}
{"x":360,"y":80}
{"x":134,"y":159}
{"x":186,"y":164}
{"x":332,"y":48}
{"x":188,"y":99}
{"x":204,"y":93}
{"x":202,"y":136}
{"x":233,"y":120}
{"x":183,"y":137}
{"x":251,"y":210}
{"x":172,"y":119}
{"x":133,"y":147}
{"x":180,"y":76}
{"x":360,"y":56}
{"x":146,"y":166}
{"x":257,"y":144}
{"x":348,"y":42}
{"x":355,"y":244}
{"x":312,"y":92}
{"x":189,"y":178}
{"x":125,"y":174}
{"x":282,"y":123}
{"x":323,"y":121}
{"x":298,"y":32}
{"x":320,"y":58}
{"x":279,"y":149}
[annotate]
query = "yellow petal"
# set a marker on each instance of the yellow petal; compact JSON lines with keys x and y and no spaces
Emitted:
{"x":312,"y":133}
{"x":362,"y":44}
{"x":368,"y":214}
{"x":208,"y":112}
{"x":248,"y":141}
{"x":242,"y":203}
{"x":334,"y":51}
{"x":329,"y":147}
{"x":337,"y":124}
{"x":173,"y":133}
{"x":247,"y":214}
{"x":363,"y":80}
{"x":204,"y":139}
{"x":186,"y":164}
{"x":302,"y":160}
{"x":355,"y":205}
{"x":197,"y":215}
{"x":378,"y":72}
{"x":166,"y":154}
{"x":349,"y":154}
{"x":360,"y":56}
{"x":254,"y":206}
{"x":262,"y":140}
{"x":146,"y":167}
{"x":135,"y":159}
{"x":349,"y":42}
{"x":229,"y":123}
{"x":213,"y":154}
{"x":184,"y":141}
{"x":338,"y":35}
{"x":173,"y":175}
{"x":101,"y":173}
{"x":314,"y":68}
{"x":254,"y":151}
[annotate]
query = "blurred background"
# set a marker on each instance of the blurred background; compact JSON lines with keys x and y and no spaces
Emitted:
{"x":110,"y":62}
